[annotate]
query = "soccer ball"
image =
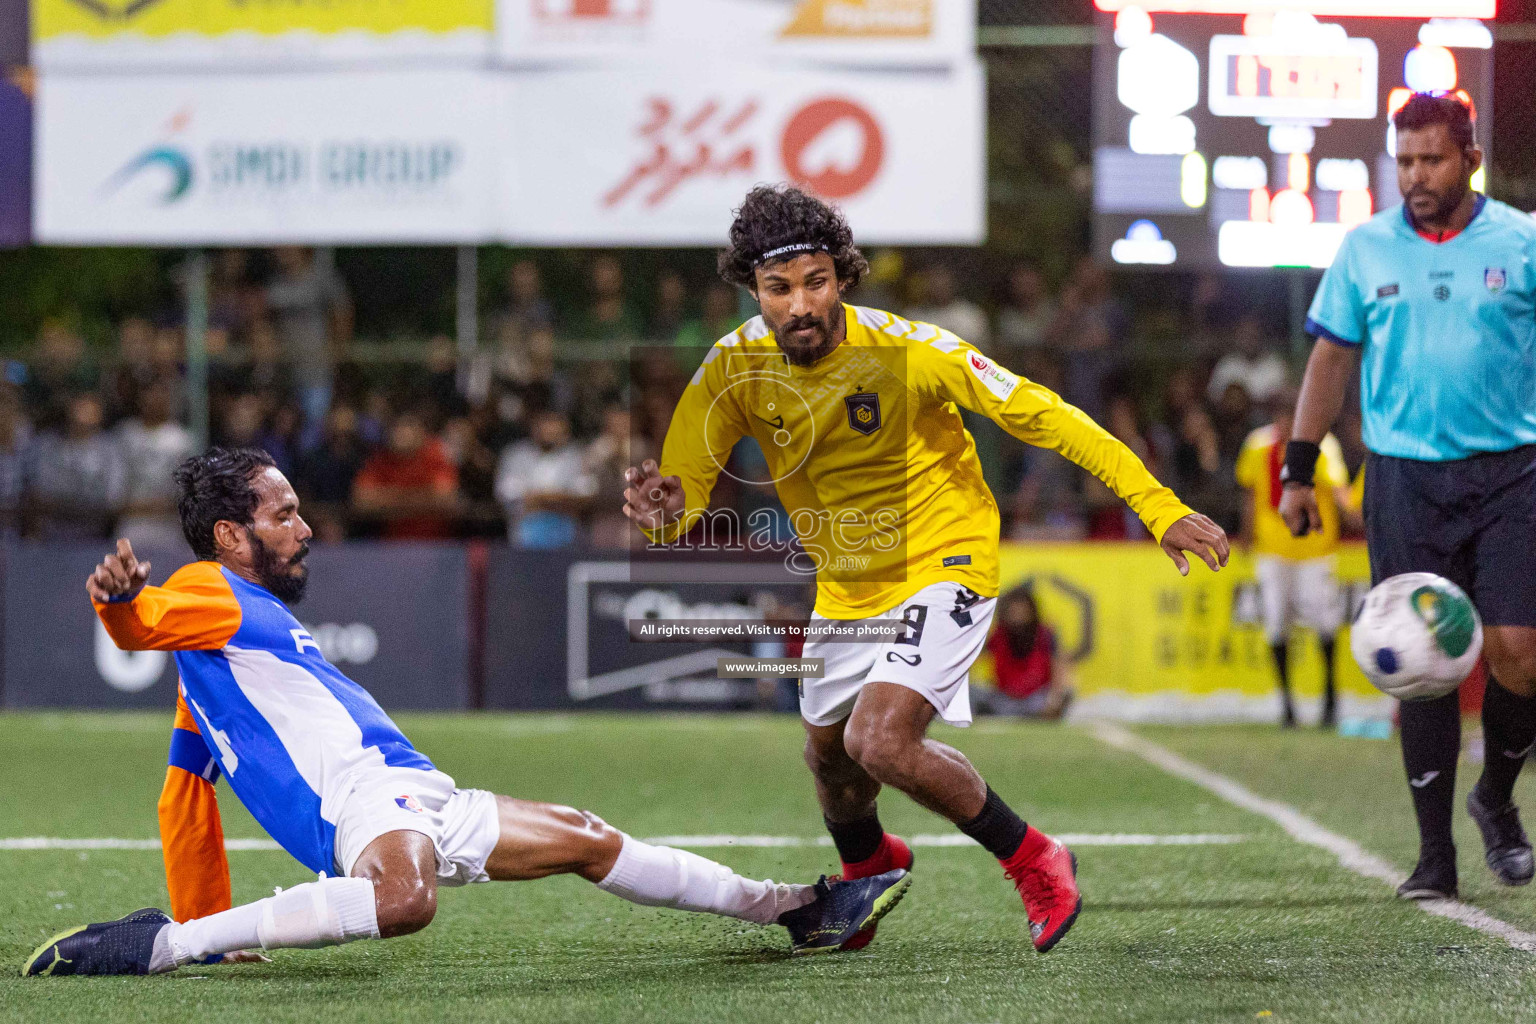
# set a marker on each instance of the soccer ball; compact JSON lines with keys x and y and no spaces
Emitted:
{"x":1417,"y":636}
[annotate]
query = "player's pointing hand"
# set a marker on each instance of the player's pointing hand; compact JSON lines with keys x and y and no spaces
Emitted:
{"x":1200,"y":536}
{"x":652,"y":500}
{"x":117,"y":576}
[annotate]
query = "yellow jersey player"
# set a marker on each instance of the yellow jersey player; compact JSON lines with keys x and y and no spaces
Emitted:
{"x":857,"y":412}
{"x":1297,"y":575}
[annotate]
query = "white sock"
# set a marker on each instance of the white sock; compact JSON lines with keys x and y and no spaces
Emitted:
{"x":660,"y":876}
{"x":324,"y":913}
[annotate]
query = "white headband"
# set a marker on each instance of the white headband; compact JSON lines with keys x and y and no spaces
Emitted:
{"x":793,"y":249}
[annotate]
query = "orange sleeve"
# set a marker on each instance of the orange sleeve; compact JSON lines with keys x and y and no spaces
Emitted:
{"x":192,"y":835}
{"x":195,"y":611}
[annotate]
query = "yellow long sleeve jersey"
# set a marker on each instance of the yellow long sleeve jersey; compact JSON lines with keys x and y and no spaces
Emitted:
{"x":870,"y":459}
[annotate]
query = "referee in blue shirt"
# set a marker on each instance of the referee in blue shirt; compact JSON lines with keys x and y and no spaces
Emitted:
{"x":1436,"y":300}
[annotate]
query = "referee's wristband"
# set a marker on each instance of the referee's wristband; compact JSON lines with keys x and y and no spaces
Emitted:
{"x":1300,"y":463}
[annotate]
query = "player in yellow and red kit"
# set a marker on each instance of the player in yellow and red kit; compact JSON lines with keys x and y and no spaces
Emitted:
{"x":1297,"y":576}
{"x":857,"y":413}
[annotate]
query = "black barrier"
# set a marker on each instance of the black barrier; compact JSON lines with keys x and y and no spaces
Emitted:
{"x":557,"y":631}
{"x":391,"y":616}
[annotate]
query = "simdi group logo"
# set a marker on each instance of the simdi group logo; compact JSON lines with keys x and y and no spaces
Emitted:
{"x":167,"y":170}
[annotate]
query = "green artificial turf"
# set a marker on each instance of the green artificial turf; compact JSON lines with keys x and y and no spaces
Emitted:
{"x":1265,"y":929}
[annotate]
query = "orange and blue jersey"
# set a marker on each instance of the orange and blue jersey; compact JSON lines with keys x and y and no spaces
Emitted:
{"x":290,"y":732}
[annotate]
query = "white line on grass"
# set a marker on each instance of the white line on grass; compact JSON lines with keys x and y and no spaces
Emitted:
{"x":49,"y":843}
{"x":1304,"y":830}
{"x":694,"y":842}
{"x":953,"y":839}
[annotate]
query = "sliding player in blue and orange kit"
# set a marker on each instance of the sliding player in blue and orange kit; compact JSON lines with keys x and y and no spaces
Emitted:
{"x":323,"y":769}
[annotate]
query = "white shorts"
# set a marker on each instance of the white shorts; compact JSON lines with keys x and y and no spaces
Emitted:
{"x":1298,"y":592}
{"x":946,"y":626}
{"x":463,"y":824}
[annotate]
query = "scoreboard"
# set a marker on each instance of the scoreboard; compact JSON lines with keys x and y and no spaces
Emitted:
{"x":1233,"y":134}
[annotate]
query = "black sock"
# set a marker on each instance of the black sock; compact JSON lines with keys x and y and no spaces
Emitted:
{"x":1431,"y":734}
{"x":997,"y":828}
{"x":856,"y":840}
{"x":1330,"y":693}
{"x":1281,"y":651}
{"x":1509,"y":726}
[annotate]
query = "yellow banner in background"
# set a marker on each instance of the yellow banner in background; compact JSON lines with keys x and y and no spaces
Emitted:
{"x":106,"y":19}
{"x":1144,"y":642}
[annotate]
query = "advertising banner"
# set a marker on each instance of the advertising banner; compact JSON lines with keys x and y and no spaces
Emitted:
{"x":905,"y":32}
{"x":219,"y":34}
{"x":644,"y":156}
{"x":1147,"y":644}
{"x":351,"y":157}
{"x":1141,"y":643}
{"x":661,"y":156}
{"x":391,"y":616}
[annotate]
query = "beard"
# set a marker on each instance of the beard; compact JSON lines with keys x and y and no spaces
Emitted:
{"x":1445,"y":203}
{"x":287,"y":578}
{"x":822,"y":338}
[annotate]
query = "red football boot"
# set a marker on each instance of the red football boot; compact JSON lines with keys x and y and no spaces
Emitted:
{"x":891,"y":854}
{"x":1045,"y":874}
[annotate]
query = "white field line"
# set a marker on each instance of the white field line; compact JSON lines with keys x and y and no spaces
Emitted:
{"x":47,"y":843}
{"x":1304,"y":830}
{"x":693,"y":842}
{"x":952,"y":839}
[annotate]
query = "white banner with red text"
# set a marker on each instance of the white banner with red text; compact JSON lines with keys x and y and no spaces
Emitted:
{"x":661,"y":156}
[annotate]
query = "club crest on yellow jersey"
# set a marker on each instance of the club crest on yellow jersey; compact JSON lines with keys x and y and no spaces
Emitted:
{"x":863,"y":412}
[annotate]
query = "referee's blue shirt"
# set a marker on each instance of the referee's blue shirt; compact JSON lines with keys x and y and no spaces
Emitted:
{"x":1447,"y":332}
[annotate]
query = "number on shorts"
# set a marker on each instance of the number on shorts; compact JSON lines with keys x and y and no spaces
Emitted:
{"x":964,"y":598}
{"x":912,"y":617}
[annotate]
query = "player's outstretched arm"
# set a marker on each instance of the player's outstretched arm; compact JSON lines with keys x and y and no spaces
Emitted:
{"x":1037,"y":416}
{"x":1322,"y":397}
{"x":194,"y":611}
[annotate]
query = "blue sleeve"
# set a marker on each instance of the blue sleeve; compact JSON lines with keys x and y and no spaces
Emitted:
{"x":1337,"y":312}
{"x":190,"y":753}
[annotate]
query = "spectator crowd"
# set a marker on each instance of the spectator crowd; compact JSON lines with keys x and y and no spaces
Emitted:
{"x":527,"y":437}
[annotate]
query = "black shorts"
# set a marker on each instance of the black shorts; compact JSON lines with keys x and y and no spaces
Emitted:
{"x":1470,"y":520}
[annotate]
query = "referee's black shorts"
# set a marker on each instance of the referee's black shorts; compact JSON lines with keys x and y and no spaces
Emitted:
{"x":1470,"y":520}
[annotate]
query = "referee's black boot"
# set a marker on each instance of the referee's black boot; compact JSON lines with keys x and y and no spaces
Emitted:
{"x":1508,"y":849}
{"x":1435,"y":876}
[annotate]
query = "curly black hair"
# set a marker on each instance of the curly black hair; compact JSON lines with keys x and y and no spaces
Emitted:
{"x":775,"y":216}
{"x":217,"y":485}
{"x":1426,"y":108}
